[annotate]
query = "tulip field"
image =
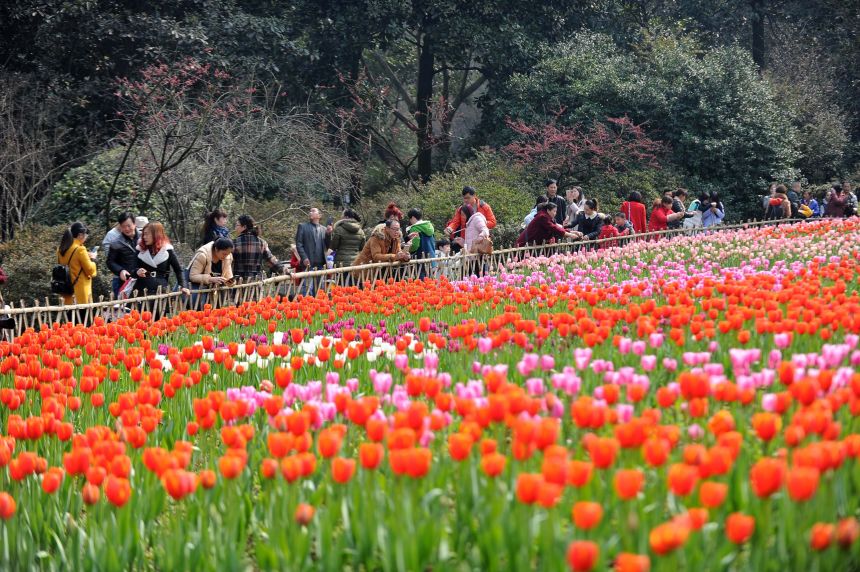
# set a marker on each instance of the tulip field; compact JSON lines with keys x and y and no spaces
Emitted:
{"x":687,"y":404}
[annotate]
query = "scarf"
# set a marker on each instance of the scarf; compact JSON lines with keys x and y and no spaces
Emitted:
{"x":160,"y":256}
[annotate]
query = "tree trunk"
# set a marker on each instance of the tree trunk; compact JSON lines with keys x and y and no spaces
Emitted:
{"x":758,"y":41}
{"x":424,"y":96}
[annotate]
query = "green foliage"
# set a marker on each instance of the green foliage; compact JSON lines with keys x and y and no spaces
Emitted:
{"x":807,"y":90}
{"x":503,"y":186}
{"x":720,"y":119}
{"x":506,"y":188}
{"x":611,"y":189}
{"x":83,"y":192}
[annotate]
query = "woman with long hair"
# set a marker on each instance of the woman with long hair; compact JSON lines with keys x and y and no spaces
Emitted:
{"x":155,"y":259}
{"x":713,"y":211}
{"x":634,"y":210}
{"x":249,"y":250}
{"x":214,"y":227}
{"x":476,"y":229}
{"x":81,"y":263}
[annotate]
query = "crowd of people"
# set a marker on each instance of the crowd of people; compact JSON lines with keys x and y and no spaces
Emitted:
{"x":575,"y":217}
{"x":141,"y":257}
{"x":840,"y":200}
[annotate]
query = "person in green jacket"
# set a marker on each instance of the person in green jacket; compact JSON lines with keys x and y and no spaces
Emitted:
{"x":421,"y":237}
{"x":347,"y":238}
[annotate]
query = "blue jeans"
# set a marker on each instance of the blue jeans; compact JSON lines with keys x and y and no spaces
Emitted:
{"x":115,"y":284}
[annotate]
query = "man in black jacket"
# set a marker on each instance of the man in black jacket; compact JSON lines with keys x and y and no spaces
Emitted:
{"x":121,"y":245}
{"x":552,"y":196}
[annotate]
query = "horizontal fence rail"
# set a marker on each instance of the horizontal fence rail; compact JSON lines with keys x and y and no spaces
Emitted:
{"x":310,"y":282}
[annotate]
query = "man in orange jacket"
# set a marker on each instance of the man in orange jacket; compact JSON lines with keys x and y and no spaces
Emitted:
{"x":457,"y":225}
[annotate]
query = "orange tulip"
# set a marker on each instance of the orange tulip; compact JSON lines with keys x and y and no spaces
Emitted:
{"x":739,"y":527}
{"x":528,"y":486}
{"x":52,"y":480}
{"x":549,"y":494}
{"x":766,"y":476}
{"x":268,"y":468}
{"x":821,"y":536}
{"x":602,"y":451}
{"x":328,"y":443}
{"x":231,"y":466}
{"x":627,"y":562}
{"x":682,"y":478}
{"x":712,"y":494}
{"x":766,"y":425}
{"x":307,"y":463}
{"x":582,"y":555}
{"x":459,"y":446}
{"x":7,"y":506}
{"x":91,"y":493}
{"x":628,"y":483}
{"x":304,"y":514}
{"x":280,"y":444}
{"x":847,"y":532}
{"x":493,"y":464}
{"x":117,"y":490}
{"x":208,"y":478}
{"x":669,"y":536}
{"x":370,"y":455}
{"x":291,"y":468}
{"x":578,"y":473}
{"x":342,"y":470}
{"x":655,"y":451}
{"x":586,"y":514}
{"x":802,"y":483}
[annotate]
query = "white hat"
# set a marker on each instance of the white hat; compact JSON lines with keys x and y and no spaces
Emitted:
{"x":141,"y":222}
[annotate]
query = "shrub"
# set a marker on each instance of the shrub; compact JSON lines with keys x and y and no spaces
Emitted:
{"x":720,"y":119}
{"x":503,"y":186}
{"x":611,"y":189}
{"x":82,"y":193}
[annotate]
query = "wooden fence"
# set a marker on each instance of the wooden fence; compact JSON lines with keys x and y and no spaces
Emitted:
{"x":161,"y":304}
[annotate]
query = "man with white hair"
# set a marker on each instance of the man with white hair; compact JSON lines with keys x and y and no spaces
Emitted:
{"x":312,"y":241}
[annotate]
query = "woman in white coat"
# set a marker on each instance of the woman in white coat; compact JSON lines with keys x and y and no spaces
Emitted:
{"x":476,"y":230}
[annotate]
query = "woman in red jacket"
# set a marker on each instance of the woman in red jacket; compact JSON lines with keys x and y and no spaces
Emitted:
{"x":662,"y":214}
{"x":543,"y":229}
{"x":634,"y":209}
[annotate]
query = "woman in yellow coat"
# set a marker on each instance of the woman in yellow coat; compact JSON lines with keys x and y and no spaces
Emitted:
{"x":80,"y":261}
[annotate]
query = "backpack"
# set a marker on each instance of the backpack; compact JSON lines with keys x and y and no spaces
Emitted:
{"x":61,"y":278}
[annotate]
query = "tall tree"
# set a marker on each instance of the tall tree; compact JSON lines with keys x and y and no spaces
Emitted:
{"x":456,"y":48}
